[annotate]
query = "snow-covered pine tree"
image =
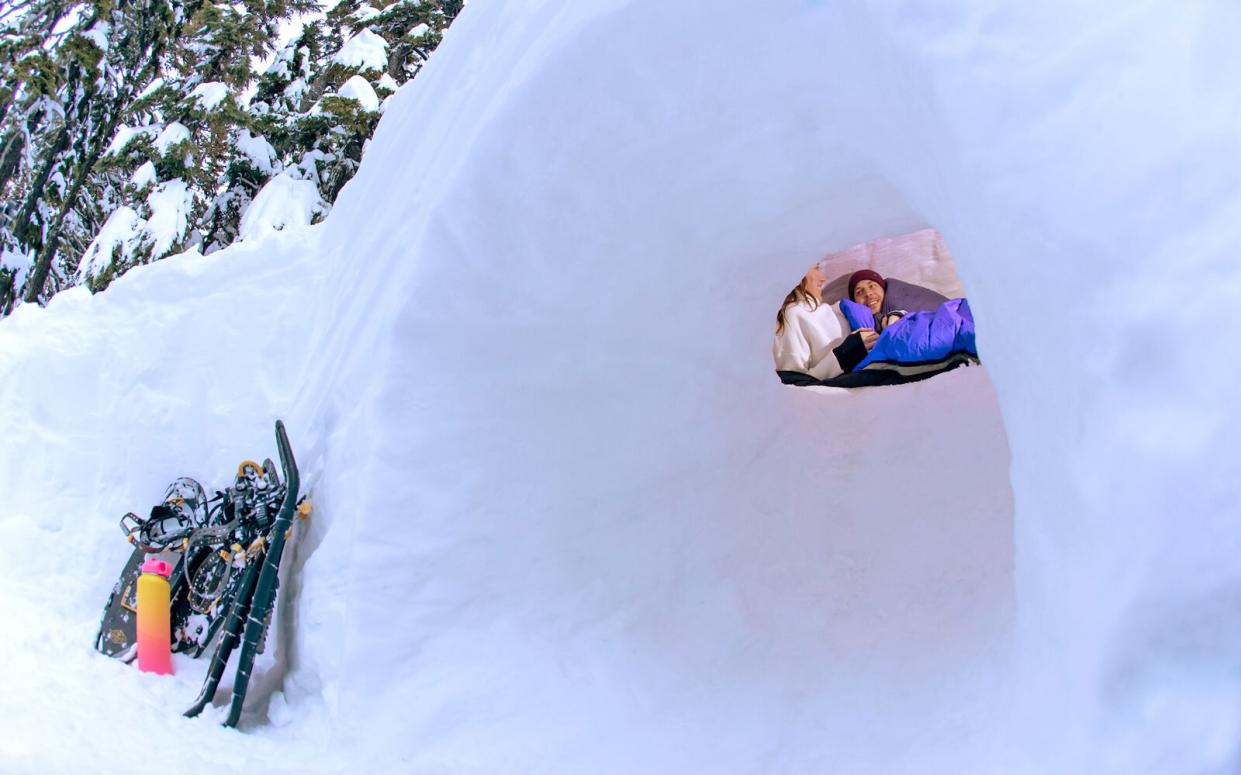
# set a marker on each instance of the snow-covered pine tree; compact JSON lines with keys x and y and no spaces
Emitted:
{"x":303,"y":131}
{"x":98,"y":60}
{"x":111,"y":53}
{"x":27,"y":78}
{"x":413,"y":30}
{"x":323,"y":96}
{"x":32,"y":77}
{"x":188,"y":155}
{"x":135,"y":129}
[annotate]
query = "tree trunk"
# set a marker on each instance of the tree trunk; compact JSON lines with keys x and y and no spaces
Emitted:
{"x":51,"y":241}
{"x":10,"y":157}
{"x":43,"y":264}
{"x":24,"y":223}
{"x":6,"y":292}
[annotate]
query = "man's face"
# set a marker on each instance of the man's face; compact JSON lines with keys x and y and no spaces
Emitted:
{"x":870,"y":293}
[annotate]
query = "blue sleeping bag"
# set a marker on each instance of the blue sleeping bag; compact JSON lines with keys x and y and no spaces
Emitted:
{"x":918,"y":337}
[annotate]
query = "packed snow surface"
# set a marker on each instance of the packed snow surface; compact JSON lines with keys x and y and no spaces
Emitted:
{"x":566,"y":518}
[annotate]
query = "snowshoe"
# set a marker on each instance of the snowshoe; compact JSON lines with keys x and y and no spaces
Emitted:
{"x":216,"y":558}
{"x":183,"y":510}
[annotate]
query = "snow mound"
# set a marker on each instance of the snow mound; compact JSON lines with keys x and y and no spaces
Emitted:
{"x":365,"y":51}
{"x":568,"y":520}
{"x":284,"y":201}
{"x":358,"y":88}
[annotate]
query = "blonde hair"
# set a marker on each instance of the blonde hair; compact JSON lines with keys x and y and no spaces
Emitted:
{"x":797,"y":295}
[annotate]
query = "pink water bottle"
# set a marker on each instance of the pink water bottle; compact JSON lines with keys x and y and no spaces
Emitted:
{"x":154,"y":618}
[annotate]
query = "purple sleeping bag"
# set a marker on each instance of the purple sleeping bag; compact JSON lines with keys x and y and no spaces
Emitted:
{"x":907,"y":297}
{"x":918,"y":337}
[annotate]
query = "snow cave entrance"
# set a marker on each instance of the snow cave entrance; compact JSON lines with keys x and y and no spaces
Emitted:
{"x":813,"y":346}
{"x":913,"y":510}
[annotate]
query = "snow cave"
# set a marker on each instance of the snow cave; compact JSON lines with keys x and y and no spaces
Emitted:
{"x":564,"y":521}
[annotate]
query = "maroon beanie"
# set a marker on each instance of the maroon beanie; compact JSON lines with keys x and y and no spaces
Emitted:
{"x":865,"y":274}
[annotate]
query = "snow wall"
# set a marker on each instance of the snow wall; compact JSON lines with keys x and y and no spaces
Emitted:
{"x":567,"y":519}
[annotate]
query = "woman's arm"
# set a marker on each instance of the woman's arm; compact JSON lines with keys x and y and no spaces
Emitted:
{"x":818,"y":342}
{"x":793,"y":351}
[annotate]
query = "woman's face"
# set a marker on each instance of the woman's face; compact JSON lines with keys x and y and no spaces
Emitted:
{"x":815,"y":278}
{"x":870,"y":293}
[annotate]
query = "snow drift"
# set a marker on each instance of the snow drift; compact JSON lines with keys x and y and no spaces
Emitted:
{"x":568,"y":520}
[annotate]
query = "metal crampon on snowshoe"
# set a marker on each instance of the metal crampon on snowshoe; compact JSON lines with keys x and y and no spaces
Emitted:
{"x":183,"y":510}
{"x":216,"y":557}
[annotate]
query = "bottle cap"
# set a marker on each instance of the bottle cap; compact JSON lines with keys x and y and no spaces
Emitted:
{"x":158,"y":567}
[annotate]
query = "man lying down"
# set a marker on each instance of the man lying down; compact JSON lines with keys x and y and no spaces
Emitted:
{"x":884,"y":324}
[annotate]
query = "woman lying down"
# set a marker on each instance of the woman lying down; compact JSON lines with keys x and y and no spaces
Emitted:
{"x":880,"y":321}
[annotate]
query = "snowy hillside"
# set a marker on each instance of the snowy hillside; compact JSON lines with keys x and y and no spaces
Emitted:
{"x":567,"y":520}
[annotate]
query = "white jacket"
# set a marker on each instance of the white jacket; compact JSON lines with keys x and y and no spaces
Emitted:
{"x":807,"y":340}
